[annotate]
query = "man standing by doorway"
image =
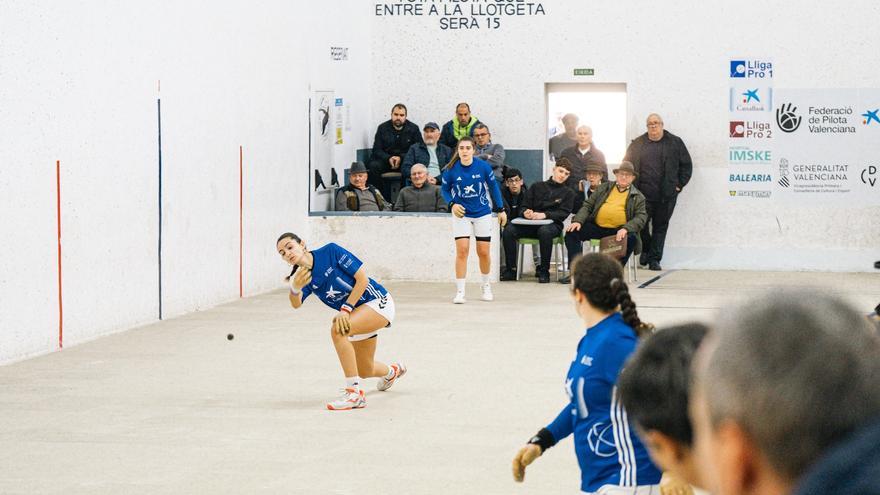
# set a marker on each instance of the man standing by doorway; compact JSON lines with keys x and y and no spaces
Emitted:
{"x":664,"y":167}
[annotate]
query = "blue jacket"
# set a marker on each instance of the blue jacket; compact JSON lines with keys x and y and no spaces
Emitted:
{"x":418,"y":153}
{"x":849,"y":468}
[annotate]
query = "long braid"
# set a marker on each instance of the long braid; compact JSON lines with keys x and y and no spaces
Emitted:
{"x":628,"y":309}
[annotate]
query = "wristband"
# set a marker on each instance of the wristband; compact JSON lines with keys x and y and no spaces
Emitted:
{"x":346,"y":307}
{"x":497,"y":210}
{"x":294,"y":291}
{"x":543,"y":439}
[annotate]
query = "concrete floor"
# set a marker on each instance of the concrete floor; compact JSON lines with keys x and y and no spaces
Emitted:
{"x":176,"y":408}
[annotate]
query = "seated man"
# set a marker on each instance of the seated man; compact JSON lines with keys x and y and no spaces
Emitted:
{"x":566,"y":139}
{"x":430,"y":153}
{"x":357,"y":195}
{"x":489,"y":151}
{"x":513,"y":192}
{"x":420,"y":196}
{"x":462,"y":125}
{"x":393,"y":139}
{"x":582,"y":154}
{"x":595,"y":177}
{"x":548,"y":200}
{"x":654,"y":388}
{"x":616,"y":208}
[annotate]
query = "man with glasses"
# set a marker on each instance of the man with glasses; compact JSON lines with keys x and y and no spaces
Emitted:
{"x":664,"y":167}
{"x":489,"y":151}
{"x":548,"y":204}
{"x":616,"y":208}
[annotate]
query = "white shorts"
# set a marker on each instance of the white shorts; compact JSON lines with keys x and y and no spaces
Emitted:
{"x":627,"y":490}
{"x":466,"y":226}
{"x":385,"y":308}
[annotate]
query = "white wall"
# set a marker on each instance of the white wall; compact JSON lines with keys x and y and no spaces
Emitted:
{"x":78,"y":83}
{"x":674,"y":58}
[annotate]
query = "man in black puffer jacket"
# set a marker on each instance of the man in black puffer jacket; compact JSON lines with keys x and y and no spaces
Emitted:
{"x":549,"y":200}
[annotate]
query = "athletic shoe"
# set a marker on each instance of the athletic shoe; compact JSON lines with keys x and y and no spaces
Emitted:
{"x":350,"y":399}
{"x":487,"y":293}
{"x":386,"y":383}
{"x":543,"y":277}
{"x":508,"y":275}
{"x":654,"y":266}
{"x":459,"y":298}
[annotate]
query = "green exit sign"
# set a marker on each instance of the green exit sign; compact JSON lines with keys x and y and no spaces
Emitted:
{"x":583,"y":72}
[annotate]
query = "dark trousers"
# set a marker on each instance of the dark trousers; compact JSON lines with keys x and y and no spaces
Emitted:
{"x":654,"y":232}
{"x":545,"y":235}
{"x":375,"y":169}
{"x":589,"y":231}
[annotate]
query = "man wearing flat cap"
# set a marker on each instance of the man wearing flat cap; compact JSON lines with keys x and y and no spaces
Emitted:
{"x":616,"y":208}
{"x":357,"y":195}
{"x":431,"y":153}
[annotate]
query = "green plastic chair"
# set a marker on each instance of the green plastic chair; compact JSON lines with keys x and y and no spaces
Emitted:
{"x":558,"y":247}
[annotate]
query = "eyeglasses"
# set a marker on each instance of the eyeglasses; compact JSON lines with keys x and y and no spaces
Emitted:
{"x":513,"y":180}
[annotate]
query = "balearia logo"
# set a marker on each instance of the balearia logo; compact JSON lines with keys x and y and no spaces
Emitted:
{"x":787,"y":118}
{"x":750,"y":178}
{"x":752,"y":129}
{"x":755,"y":69}
{"x":871,"y":116}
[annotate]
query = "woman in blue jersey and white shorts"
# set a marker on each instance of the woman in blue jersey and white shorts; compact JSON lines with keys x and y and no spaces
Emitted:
{"x":612,"y":458}
{"x":338,"y":279}
{"x":467,"y":184}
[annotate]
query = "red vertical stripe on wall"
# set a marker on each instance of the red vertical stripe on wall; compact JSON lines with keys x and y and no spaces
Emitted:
{"x":240,"y":218}
{"x":58,"y":217}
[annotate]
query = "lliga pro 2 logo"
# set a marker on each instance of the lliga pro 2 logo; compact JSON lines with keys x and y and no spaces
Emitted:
{"x":787,"y":118}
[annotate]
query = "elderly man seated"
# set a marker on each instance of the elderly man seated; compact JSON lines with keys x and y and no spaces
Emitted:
{"x":550,"y":201}
{"x":431,"y":153}
{"x":420,"y":196}
{"x":616,"y":208}
{"x":357,"y":195}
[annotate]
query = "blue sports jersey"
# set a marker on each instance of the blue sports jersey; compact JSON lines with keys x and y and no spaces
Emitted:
{"x":470,"y":186}
{"x":333,"y":277}
{"x":607,"y":448}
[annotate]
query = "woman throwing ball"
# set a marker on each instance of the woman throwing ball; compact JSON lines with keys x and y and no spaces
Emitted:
{"x":338,"y":279}
{"x":467,"y":184}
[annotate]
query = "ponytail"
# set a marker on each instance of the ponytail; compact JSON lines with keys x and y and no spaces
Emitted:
{"x":455,"y":154}
{"x":628,"y":309}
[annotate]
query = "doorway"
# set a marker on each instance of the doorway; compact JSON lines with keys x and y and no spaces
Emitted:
{"x":602,"y":106}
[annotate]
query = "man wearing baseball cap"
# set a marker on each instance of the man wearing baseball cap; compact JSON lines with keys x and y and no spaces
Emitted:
{"x":431,"y":154}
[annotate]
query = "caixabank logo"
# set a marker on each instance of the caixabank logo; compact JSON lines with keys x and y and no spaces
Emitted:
{"x":871,"y":118}
{"x":750,"y":129}
{"x":751,"y":99}
{"x":751,"y":69}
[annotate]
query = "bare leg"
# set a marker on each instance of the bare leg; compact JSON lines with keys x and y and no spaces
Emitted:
{"x":462,"y":247}
{"x":485,"y":258}
{"x":363,"y":320}
{"x":364,"y":351}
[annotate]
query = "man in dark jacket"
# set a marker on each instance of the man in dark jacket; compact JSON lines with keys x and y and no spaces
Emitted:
{"x":357,"y":195}
{"x":583,"y":154}
{"x":664,"y":167}
{"x":513,"y":192}
{"x":462,"y":125}
{"x":548,"y":200}
{"x":420,"y":196}
{"x":616,"y":208}
{"x":393,"y":139}
{"x":430,"y":153}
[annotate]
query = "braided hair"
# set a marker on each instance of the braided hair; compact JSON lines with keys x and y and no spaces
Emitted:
{"x":600,"y":278}
{"x":295,"y":238}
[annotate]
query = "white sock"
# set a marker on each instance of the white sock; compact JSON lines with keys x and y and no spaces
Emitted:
{"x":485,"y":278}
{"x":459,"y":284}
{"x":353,"y":382}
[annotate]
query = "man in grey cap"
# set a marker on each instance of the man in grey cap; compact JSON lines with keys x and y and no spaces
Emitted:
{"x":357,"y":195}
{"x":432,"y":154}
{"x":616,"y":208}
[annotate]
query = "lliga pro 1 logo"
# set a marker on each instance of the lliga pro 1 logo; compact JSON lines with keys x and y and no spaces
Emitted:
{"x":751,"y":69}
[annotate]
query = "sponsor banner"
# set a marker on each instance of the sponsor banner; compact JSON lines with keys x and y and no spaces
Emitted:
{"x":827,"y":146}
{"x":321,"y":123}
{"x":750,"y":129}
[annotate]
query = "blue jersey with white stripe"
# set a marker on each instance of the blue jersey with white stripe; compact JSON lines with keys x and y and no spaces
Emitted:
{"x":333,"y":272}
{"x":470,"y":186}
{"x":607,"y":448}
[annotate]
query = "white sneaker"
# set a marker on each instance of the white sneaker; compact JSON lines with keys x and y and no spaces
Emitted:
{"x":459,"y":298}
{"x":487,"y":293}
{"x":350,"y":399}
{"x":386,"y":383}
